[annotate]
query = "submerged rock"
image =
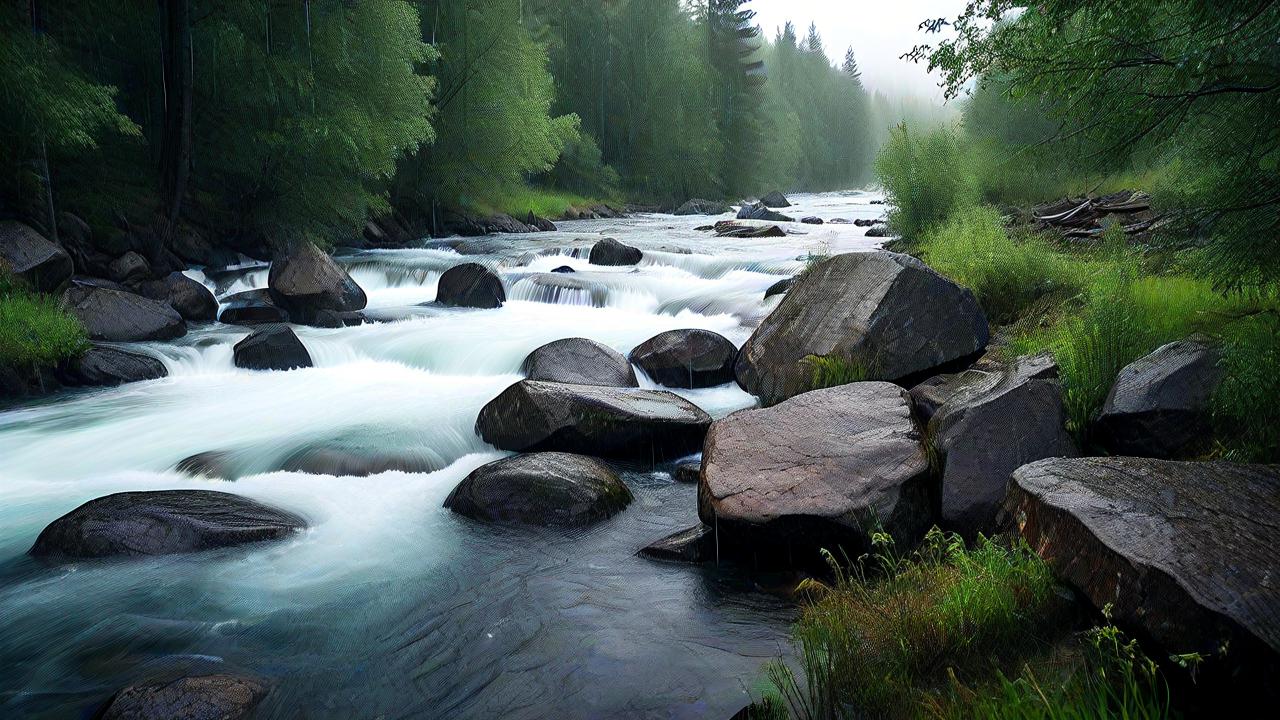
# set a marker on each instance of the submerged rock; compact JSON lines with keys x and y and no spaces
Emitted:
{"x":252,"y":307}
{"x":1159,"y":405}
{"x":117,"y":316}
{"x":563,"y":269}
{"x":687,"y":358}
{"x":550,"y":489}
{"x":162,"y":522}
{"x":691,"y":545}
{"x":42,"y":264}
{"x":341,"y":462}
{"x":648,"y":425}
{"x":192,"y":300}
{"x":579,"y":361}
{"x":203,"y":697}
{"x":272,"y":347}
{"x":698,"y":206}
{"x":103,"y":366}
{"x":470,"y":285}
{"x":305,"y":280}
{"x":214,"y":464}
{"x":821,"y":470}
{"x":1185,"y":551}
{"x":775,"y":199}
{"x":611,"y":252}
{"x":883,"y":315}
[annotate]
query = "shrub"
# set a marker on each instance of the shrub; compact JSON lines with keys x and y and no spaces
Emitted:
{"x":34,"y":331}
{"x":926,"y":180}
{"x":1246,"y":415}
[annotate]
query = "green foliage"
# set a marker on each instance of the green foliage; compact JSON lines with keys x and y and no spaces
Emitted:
{"x":34,"y":331}
{"x":521,"y":200}
{"x":581,"y":169}
{"x":925,"y":178}
{"x":833,"y":370}
{"x":1245,"y":410}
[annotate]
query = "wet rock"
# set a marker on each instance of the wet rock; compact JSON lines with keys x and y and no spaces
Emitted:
{"x":162,"y":522}
{"x":272,"y":347}
{"x":758,"y":211}
{"x":116,"y":316}
{"x":192,"y":300}
{"x":470,"y":285}
{"x":811,"y":220}
{"x":335,"y":319}
{"x":688,"y":472}
{"x":1184,"y":551}
{"x":691,"y":545}
{"x":775,"y":199}
{"x":1159,"y":405}
{"x":550,"y":489}
{"x":214,"y":464}
{"x":879,"y":231}
{"x":840,"y":221}
{"x":991,"y":424}
{"x":564,"y":269}
{"x":731,"y":229}
{"x":886,"y":316}
{"x":581,"y":362}
{"x":611,"y":252}
{"x":821,"y":470}
{"x":203,"y":697}
{"x":304,"y":280}
{"x":698,"y":206}
{"x":106,"y":366}
{"x":252,"y":307}
{"x":649,"y":425}
{"x":687,"y":358}
{"x":540,"y":224}
{"x":197,"y":249}
{"x":779,"y":287}
{"x":27,"y":254}
{"x":130,"y":269}
{"x":341,"y":462}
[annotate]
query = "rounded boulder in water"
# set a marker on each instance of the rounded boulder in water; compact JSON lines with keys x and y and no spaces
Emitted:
{"x":272,"y":347}
{"x":550,"y":489}
{"x":687,"y":358}
{"x":581,"y":362}
{"x":611,"y":252}
{"x":470,"y":285}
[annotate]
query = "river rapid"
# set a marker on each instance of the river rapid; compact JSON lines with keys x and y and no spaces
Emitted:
{"x":389,"y":606}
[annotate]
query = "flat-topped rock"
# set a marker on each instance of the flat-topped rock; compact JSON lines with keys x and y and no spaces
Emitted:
{"x":579,"y":361}
{"x":1184,"y":551}
{"x":550,"y":489}
{"x":820,"y":470}
{"x":201,"y":697}
{"x":649,"y":425}
{"x":116,"y":316}
{"x":162,"y":522}
{"x":687,"y":358}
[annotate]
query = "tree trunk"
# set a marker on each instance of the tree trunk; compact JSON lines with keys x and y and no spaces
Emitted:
{"x":175,"y":147}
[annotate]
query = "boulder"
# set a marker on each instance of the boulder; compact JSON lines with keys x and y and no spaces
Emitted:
{"x":540,"y":223}
{"x":550,"y":489}
{"x":887,"y":316}
{"x":780,"y":287}
{"x":758,"y":211}
{"x":691,"y":545}
{"x":991,"y":424}
{"x":102,"y":365}
{"x":1185,"y":552}
{"x":272,"y":347}
{"x":611,"y":252}
{"x":130,"y":268}
{"x":162,"y":522}
{"x":192,"y":300}
{"x":648,"y":425}
{"x":879,"y":231}
{"x":201,"y":697}
{"x":822,"y":470}
{"x":579,"y":361}
{"x":932,"y":393}
{"x":775,"y":199}
{"x":811,"y":220}
{"x":304,"y":280}
{"x":215,"y":464}
{"x":687,"y":358}
{"x":731,"y":229}
{"x":470,"y":285}
{"x":117,"y":316}
{"x":698,"y":206}
{"x":688,"y":472}
{"x":252,"y":307}
{"x":1159,"y":405}
{"x":42,"y":264}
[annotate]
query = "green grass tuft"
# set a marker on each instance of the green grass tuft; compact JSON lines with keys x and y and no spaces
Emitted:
{"x":545,"y":203}
{"x":833,"y":370}
{"x":34,"y":331}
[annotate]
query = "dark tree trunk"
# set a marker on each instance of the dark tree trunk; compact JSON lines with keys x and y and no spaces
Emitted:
{"x":175,"y":146}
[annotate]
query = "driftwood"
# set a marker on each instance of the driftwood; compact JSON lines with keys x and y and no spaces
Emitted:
{"x":1086,"y":218}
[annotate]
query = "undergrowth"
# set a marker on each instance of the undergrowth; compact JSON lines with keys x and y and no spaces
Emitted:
{"x":34,"y":331}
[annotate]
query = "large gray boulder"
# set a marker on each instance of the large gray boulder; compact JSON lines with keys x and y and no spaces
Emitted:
{"x":1185,"y":552}
{"x":550,"y":489}
{"x":271,"y":347}
{"x":1159,"y":404}
{"x":252,"y":307}
{"x":775,"y":199}
{"x":200,"y":697}
{"x":579,"y":361}
{"x":698,"y":206}
{"x":994,"y":422}
{"x":162,"y":522}
{"x":305,"y":280}
{"x":117,"y":316}
{"x":648,"y":425}
{"x":44,"y":265}
{"x":106,"y":366}
{"x":821,"y":470}
{"x":470,"y":285}
{"x":758,"y":211}
{"x":687,"y":358}
{"x":192,"y":300}
{"x":611,"y":252}
{"x":887,"y":316}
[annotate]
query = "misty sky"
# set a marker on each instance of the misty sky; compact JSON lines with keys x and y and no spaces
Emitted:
{"x":878,"y":30}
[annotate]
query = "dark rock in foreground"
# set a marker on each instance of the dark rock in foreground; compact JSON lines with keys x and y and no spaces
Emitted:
{"x":698,"y":206}
{"x":692,"y":545}
{"x":305,"y":280}
{"x":1184,"y":551}
{"x":102,"y":366}
{"x":162,"y":522}
{"x":192,"y":300}
{"x":27,"y":254}
{"x":470,"y":285}
{"x":117,"y":316}
{"x":648,"y":425}
{"x":758,"y":211}
{"x":775,"y":199}
{"x":611,"y":252}
{"x":821,"y":470}
{"x":203,"y":697}
{"x":252,"y":307}
{"x":1159,"y":405}
{"x":272,"y":347}
{"x":886,"y":316}
{"x":579,"y":361}
{"x":687,"y":358}
{"x":550,"y":489}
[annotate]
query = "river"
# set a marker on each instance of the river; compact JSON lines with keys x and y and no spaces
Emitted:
{"x":389,"y":606}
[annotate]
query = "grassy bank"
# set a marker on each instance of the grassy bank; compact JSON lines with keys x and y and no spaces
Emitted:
{"x":551,"y":204}
{"x":34,"y":332}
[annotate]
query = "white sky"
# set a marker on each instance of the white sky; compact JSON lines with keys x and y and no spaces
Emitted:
{"x":878,"y":30}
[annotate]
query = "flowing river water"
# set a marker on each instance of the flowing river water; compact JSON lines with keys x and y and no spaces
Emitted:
{"x":389,"y":606}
